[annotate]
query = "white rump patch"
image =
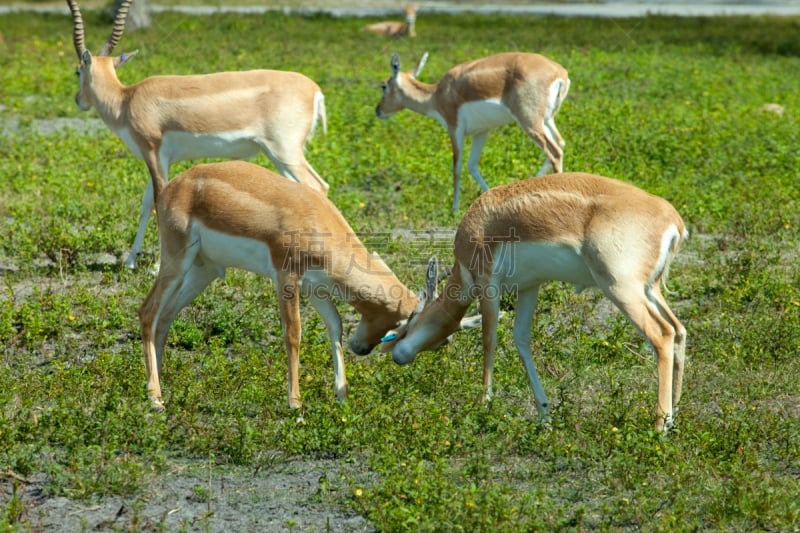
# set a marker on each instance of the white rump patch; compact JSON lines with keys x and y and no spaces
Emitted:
{"x":552,"y":97}
{"x":319,"y":113}
{"x":668,"y":241}
{"x":553,"y":103}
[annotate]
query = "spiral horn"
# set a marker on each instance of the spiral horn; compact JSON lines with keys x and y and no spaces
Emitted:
{"x":77,"y":28}
{"x":119,"y":27}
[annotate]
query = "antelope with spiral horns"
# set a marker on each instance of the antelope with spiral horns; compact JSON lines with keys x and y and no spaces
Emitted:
{"x":582,"y":229}
{"x":397,"y":29}
{"x":475,"y":97}
{"x":164,"y":119}
{"x":237,"y":214}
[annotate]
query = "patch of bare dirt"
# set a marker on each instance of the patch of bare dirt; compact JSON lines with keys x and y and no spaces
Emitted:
{"x":290,"y":495}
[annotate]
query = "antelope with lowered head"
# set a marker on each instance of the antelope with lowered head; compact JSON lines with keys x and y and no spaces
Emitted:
{"x":475,"y":97}
{"x":577,"y":228}
{"x":164,"y":119}
{"x":237,"y":214}
{"x":397,"y":29}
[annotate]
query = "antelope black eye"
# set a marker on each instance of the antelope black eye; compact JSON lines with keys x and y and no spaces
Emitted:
{"x":384,"y":86}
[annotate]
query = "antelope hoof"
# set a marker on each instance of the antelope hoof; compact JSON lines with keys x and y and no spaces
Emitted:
{"x":157,"y":405}
{"x":296,"y":406}
{"x":483,"y":398}
{"x":664,"y":423}
{"x":545,"y":420}
{"x":341,"y":394}
{"x":130,"y":261}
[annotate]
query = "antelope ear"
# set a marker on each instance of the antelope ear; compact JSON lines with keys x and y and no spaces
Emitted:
{"x":475,"y":319}
{"x":379,"y":260}
{"x":431,"y":279}
{"x":419,"y":66}
{"x":392,"y":337}
{"x":86,"y":58}
{"x":124,"y":58}
{"x":471,"y":321}
{"x":395,"y":65}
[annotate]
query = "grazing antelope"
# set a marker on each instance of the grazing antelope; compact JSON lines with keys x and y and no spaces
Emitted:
{"x":475,"y":97}
{"x":577,"y":228}
{"x":237,"y":214}
{"x":164,"y":119}
{"x":397,"y":29}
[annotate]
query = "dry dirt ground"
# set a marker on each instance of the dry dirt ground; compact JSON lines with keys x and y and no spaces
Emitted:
{"x":288,"y":495}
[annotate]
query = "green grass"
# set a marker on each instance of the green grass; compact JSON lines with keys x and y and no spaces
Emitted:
{"x":672,"y":105}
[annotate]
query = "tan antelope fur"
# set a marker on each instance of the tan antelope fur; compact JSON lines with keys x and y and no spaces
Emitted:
{"x":164,"y":119}
{"x":397,"y":29}
{"x":475,"y":97}
{"x":238,"y":214}
{"x":582,"y":229}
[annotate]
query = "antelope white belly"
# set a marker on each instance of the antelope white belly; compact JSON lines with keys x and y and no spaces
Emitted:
{"x":524,"y":265}
{"x":482,"y":115}
{"x":183,"y":145}
{"x":230,"y":251}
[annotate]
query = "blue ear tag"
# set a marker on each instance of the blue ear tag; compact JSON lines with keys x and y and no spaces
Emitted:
{"x":122,"y":56}
{"x":389,"y":337}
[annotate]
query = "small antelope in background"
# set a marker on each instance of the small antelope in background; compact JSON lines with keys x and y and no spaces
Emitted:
{"x":576,"y":228}
{"x":237,"y":214}
{"x":475,"y":97}
{"x":397,"y":29}
{"x":164,"y":119}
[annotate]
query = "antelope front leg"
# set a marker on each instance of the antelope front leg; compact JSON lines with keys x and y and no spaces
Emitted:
{"x":478,"y":142}
{"x":289,"y":297}
{"x":147,"y":313}
{"x":151,"y":364}
{"x":526,"y":305}
{"x":148,"y":204}
{"x":147,"y":207}
{"x":457,"y":143}
{"x":333,"y":322}
{"x":490,"y":314}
